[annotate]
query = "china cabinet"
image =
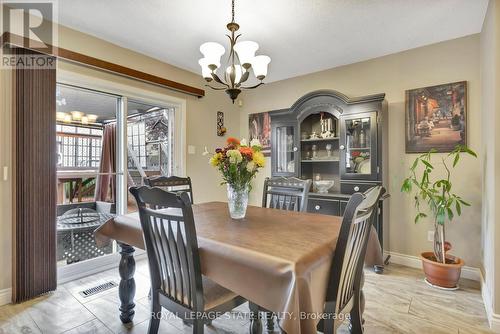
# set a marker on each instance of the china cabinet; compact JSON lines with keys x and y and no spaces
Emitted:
{"x":327,"y":136}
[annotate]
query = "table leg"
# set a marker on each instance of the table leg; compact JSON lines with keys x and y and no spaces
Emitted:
{"x":255,"y":323}
{"x":127,"y":283}
{"x":270,"y":321}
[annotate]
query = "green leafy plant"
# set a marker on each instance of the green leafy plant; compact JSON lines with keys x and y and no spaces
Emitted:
{"x":437,"y":193}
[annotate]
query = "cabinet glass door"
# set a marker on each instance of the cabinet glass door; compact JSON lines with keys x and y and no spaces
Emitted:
{"x":358,"y":145}
{"x":286,"y":150}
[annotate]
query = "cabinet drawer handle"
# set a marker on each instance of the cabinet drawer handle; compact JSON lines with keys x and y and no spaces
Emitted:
{"x":342,"y":147}
{"x":356,"y":188}
{"x":295,"y":149}
{"x":317,"y":207}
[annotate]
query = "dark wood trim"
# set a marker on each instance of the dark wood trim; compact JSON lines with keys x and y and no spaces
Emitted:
{"x":75,"y":57}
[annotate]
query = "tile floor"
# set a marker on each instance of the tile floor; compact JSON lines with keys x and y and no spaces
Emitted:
{"x":397,"y":302}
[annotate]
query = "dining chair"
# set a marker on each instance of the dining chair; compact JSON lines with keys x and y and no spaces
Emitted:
{"x":286,"y":193}
{"x":174,"y":262}
{"x":171,"y":183}
{"x":344,"y":287}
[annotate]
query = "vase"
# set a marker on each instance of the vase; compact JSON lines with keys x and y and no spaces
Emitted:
{"x":237,"y":198}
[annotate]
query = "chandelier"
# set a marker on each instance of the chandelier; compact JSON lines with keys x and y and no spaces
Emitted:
{"x":241,"y":59}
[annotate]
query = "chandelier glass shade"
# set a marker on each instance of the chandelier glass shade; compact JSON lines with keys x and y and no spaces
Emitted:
{"x":241,"y":60}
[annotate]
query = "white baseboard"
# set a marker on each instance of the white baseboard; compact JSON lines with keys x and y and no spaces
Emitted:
{"x":5,"y":296}
{"x":415,"y":262}
{"x":493,"y":318}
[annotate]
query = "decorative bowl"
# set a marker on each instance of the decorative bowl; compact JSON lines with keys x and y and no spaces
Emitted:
{"x":323,"y":185}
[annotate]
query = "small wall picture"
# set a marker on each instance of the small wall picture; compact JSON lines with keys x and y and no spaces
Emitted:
{"x":259,"y":126}
{"x":221,"y":129}
{"x":436,"y":117}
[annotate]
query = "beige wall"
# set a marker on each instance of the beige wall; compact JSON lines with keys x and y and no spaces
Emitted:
{"x":5,"y":186}
{"x":450,"y":61}
{"x":490,"y":80}
{"x":201,"y":123}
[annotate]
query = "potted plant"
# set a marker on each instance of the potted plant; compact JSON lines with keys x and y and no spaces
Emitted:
{"x":437,"y":194}
{"x":238,"y":164}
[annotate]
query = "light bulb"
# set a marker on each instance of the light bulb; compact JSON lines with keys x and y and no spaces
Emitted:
{"x":212,"y":52}
{"x":76,"y":115}
{"x":259,"y":65}
{"x":60,"y":116}
{"x":205,"y":70}
{"x":246,"y":52}
{"x":92,"y":118}
{"x":238,"y":73}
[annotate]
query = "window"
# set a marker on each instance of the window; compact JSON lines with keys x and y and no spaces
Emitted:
{"x":78,"y":146}
{"x":137,"y":143}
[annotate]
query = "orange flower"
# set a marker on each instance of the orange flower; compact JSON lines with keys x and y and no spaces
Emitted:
{"x":233,"y":141}
{"x":246,"y":151}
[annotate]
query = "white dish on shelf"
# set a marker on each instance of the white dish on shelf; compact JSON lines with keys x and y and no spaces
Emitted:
{"x":364,"y":167}
{"x":323,"y":186}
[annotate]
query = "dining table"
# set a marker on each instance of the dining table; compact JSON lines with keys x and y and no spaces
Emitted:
{"x":279,"y":260}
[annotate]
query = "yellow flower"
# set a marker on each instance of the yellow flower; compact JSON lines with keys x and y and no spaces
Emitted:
{"x":215,"y":159}
{"x":258,"y":159}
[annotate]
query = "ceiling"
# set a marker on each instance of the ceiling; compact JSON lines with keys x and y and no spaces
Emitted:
{"x":91,"y":102}
{"x":300,"y":36}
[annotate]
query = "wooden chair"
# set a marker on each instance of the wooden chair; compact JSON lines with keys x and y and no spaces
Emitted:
{"x":171,"y":183}
{"x":344,"y":287}
{"x":283,"y":194}
{"x":286,"y":193}
{"x":174,"y":262}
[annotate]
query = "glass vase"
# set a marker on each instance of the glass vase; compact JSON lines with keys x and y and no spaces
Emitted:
{"x":237,"y":198}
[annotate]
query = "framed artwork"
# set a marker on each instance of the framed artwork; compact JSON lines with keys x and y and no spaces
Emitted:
{"x":436,"y":117}
{"x":221,"y":130}
{"x":259,"y":126}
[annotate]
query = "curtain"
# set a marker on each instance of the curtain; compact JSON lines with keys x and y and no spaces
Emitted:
{"x":34,"y":265}
{"x":106,"y":179}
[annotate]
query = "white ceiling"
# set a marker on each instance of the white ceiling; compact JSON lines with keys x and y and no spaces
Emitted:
{"x":301,"y":36}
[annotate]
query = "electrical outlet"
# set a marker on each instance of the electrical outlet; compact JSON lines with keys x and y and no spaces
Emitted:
{"x":430,"y":235}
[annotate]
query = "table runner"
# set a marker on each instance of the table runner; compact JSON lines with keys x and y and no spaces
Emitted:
{"x":277,"y":259}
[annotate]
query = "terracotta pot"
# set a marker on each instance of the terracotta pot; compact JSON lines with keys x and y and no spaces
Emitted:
{"x":440,"y":274}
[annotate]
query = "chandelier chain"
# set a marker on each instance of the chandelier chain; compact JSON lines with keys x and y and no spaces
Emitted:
{"x":232,"y":8}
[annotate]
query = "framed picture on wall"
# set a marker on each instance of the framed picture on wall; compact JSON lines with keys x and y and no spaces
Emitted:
{"x":259,"y":126}
{"x":436,"y":117}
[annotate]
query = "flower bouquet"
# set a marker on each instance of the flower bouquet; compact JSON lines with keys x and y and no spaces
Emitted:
{"x":238,"y":163}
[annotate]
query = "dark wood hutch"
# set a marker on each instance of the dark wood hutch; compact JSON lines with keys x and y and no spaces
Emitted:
{"x":327,"y":136}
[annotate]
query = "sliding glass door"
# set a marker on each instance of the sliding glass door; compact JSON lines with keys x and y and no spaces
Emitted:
{"x":86,"y":126}
{"x":150,"y":143}
{"x":106,"y":143}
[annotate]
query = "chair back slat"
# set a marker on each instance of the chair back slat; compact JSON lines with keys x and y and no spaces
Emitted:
{"x":171,"y":184}
{"x":347,"y":264}
{"x":181,"y":250}
{"x":286,"y":193}
{"x":170,"y":239}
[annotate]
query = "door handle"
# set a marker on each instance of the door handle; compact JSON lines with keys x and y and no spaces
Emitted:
{"x":342,"y":147}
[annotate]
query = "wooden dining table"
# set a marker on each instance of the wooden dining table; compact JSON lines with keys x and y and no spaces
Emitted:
{"x":279,"y":260}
